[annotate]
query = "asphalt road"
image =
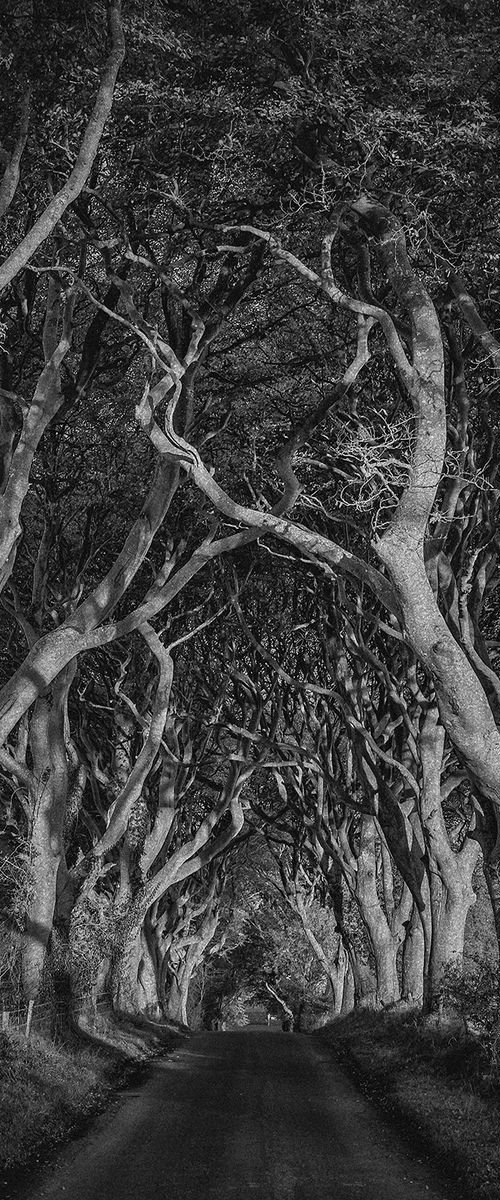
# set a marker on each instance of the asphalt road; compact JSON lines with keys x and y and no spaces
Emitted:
{"x":250,"y":1115}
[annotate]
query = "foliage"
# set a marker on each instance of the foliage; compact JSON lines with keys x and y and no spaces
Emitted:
{"x":474,"y":997}
{"x":44,"y":1092}
{"x":16,"y":887}
{"x":266,"y":960}
{"x":163,"y":306}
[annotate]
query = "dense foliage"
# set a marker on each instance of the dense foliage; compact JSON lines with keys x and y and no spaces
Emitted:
{"x":249,"y":503}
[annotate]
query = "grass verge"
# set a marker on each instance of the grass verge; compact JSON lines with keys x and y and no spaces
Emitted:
{"x":46,"y":1090}
{"x":438,"y":1085}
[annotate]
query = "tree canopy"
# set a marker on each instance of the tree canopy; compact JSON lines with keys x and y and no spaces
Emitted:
{"x":248,"y":496}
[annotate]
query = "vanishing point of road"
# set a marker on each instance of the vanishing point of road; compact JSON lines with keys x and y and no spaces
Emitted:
{"x":245,"y":1115}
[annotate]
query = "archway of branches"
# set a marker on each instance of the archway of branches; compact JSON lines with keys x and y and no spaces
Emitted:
{"x":249,"y":508}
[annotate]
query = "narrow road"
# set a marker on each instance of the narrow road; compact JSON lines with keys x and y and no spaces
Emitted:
{"x":250,"y":1115}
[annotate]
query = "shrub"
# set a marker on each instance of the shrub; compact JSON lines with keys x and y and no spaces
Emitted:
{"x":475,"y":998}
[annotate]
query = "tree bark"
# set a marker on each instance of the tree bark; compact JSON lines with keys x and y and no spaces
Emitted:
{"x":12,"y":173}
{"x":76,"y":181}
{"x":149,"y":1001}
{"x":463,"y":704}
{"x":383,"y":942}
{"x":125,"y":987}
{"x":50,"y":769}
{"x":413,"y":963}
{"x":348,"y":995}
{"x":177,"y":1000}
{"x":451,"y":891}
{"x":46,"y":402}
{"x":53,"y":651}
{"x":334,"y":971}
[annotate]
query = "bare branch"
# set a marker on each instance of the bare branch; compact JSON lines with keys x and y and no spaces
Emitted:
{"x":10,"y":180}
{"x":475,"y":322}
{"x":46,"y":402}
{"x":47,"y":221}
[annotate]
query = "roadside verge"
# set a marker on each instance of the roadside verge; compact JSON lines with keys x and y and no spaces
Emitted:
{"x":49,"y":1091}
{"x":436,"y":1085}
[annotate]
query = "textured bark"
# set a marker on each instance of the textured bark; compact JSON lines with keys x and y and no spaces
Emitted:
{"x":52,"y":652}
{"x":12,"y":173}
{"x":50,"y":770}
{"x":46,"y":402}
{"x":463,"y":704}
{"x":413,"y":963}
{"x":348,"y":995}
{"x":450,"y":908}
{"x":136,"y":978}
{"x":384,"y":943}
{"x":125,"y":987}
{"x":364,"y":981}
{"x":177,"y":999}
{"x":182,"y":949}
{"x":335,"y":971}
{"x":135,"y":779}
{"x":148,"y":997}
{"x":492,"y":876}
{"x":451,"y":891}
{"x":488,"y":833}
{"x":76,"y":181}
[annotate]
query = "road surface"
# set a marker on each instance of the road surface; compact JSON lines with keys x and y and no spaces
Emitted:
{"x":244,"y":1115}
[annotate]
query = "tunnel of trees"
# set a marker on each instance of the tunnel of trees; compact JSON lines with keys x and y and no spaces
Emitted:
{"x":249,"y":498}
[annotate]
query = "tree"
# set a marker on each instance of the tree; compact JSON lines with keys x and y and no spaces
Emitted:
{"x":273,"y":289}
{"x":266,"y":959}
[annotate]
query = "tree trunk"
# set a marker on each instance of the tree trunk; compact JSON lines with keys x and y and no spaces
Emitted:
{"x":412,"y":989}
{"x":450,"y":908}
{"x":451,"y":891}
{"x":385,"y":950}
{"x":148,"y":982}
{"x":348,"y":995}
{"x":489,"y":837}
{"x":50,"y":770}
{"x":125,"y":988}
{"x":334,"y":971}
{"x":491,"y":871}
{"x":177,"y":999}
{"x":364,"y":981}
{"x":382,"y":940}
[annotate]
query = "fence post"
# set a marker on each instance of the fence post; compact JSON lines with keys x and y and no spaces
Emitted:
{"x":29,"y":1017}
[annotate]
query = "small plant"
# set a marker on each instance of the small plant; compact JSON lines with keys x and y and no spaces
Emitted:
{"x":16,"y":884}
{"x":475,"y":998}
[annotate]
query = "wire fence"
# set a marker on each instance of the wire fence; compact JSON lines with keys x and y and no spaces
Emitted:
{"x":50,"y":1018}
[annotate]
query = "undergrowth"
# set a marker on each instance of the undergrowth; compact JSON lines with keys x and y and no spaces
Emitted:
{"x":439,"y":1084}
{"x":45,"y":1091}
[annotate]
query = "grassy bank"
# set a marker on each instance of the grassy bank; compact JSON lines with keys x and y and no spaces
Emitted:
{"x":438,"y":1085}
{"x":46,"y":1091}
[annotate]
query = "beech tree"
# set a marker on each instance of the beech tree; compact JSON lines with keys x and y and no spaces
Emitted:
{"x":250,"y":329}
{"x":181,"y":932}
{"x":304,"y":889}
{"x":372,"y":789}
{"x":267,"y":959}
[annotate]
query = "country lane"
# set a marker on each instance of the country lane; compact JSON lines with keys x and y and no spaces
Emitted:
{"x":239,"y":1115}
